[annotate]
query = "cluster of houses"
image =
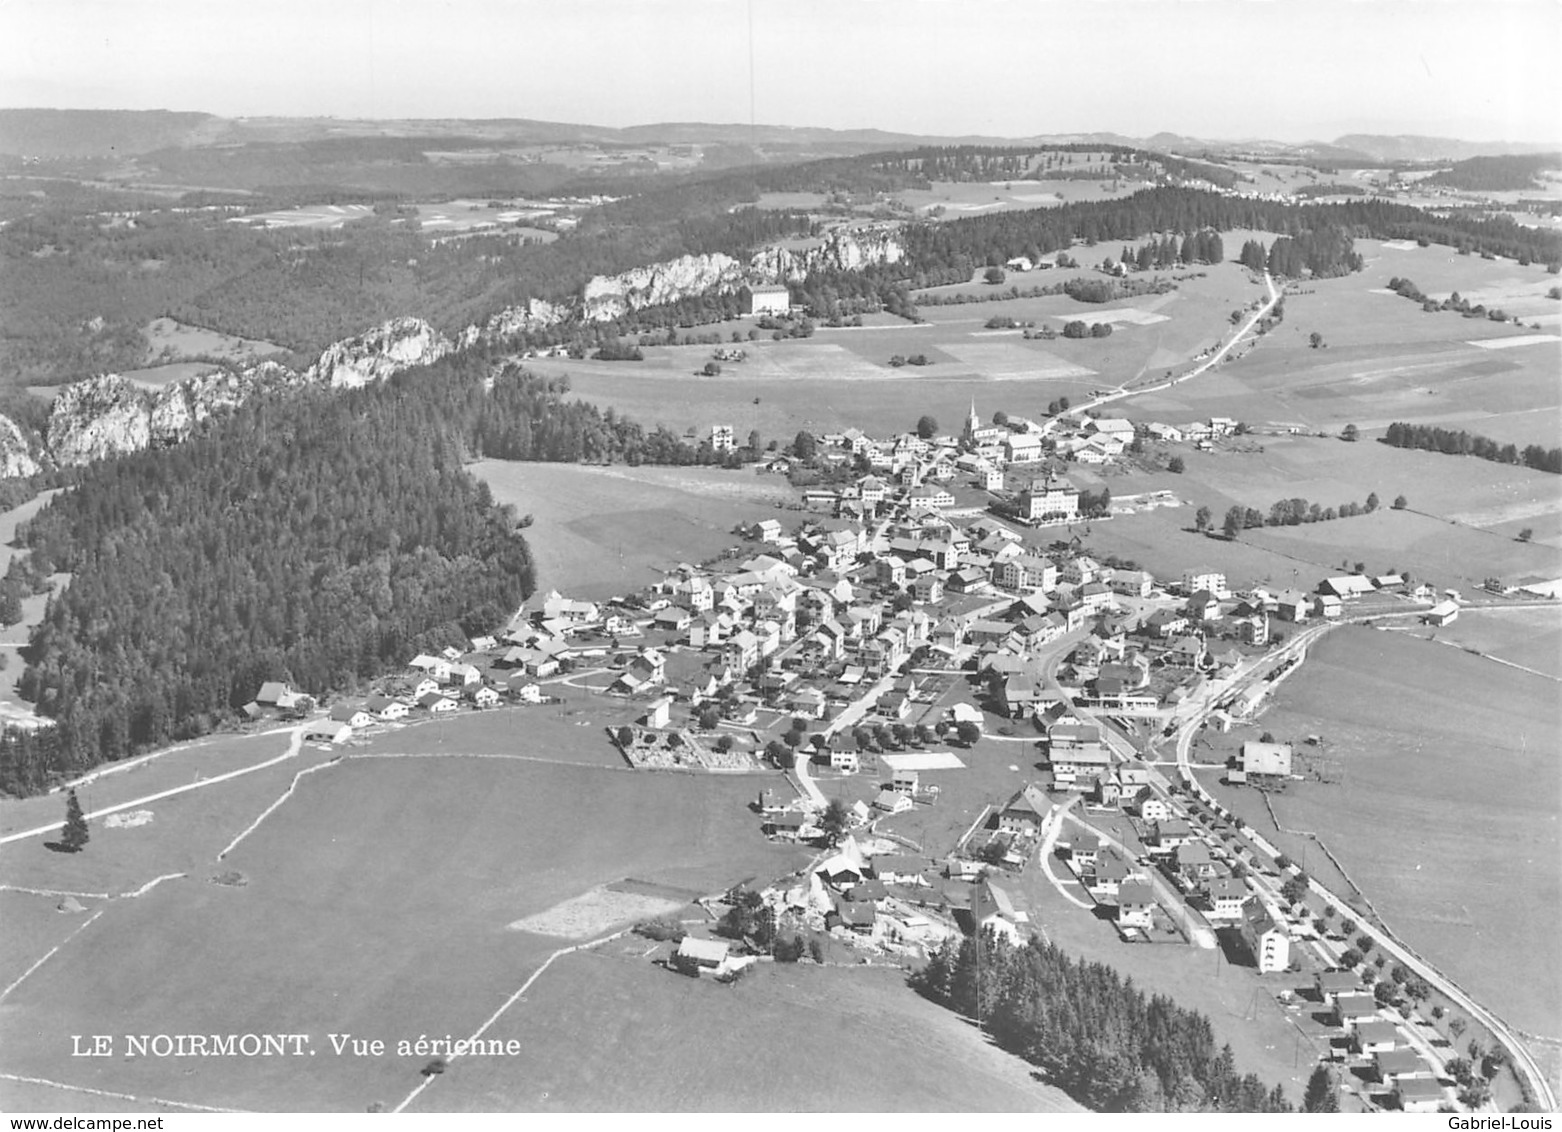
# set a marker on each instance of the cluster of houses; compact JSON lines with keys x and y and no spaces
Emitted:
{"x":1380,"y":1042}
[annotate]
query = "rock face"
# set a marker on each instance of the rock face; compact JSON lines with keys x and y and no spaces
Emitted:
{"x":109,"y":415}
{"x":100,"y":417}
{"x":610,"y":296}
{"x":844,"y":249}
{"x":16,"y":457}
{"x":379,"y":353}
{"x":535,"y":315}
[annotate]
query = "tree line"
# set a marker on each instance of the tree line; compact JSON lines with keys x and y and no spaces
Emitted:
{"x":1458,"y":442}
{"x":1092,"y":1033}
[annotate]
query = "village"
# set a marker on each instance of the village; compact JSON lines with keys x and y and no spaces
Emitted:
{"x":942,"y":704}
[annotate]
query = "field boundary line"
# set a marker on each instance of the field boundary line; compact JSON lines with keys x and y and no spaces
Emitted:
{"x":115,"y":1096}
{"x":269,"y":810}
{"x":55,"y":892}
{"x":509,"y":1002}
{"x":293,"y":748}
{"x":50,"y":954}
{"x":478,"y":755}
{"x":151,"y":884}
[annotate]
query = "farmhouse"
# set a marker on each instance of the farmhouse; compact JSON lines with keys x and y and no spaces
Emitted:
{"x":992,"y":909}
{"x":275,"y":694}
{"x":1024,"y":812}
{"x":352,"y":715}
{"x":699,"y":955}
{"x":328,"y":731}
{"x":386,"y":709}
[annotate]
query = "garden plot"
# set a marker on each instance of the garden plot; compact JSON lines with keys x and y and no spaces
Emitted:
{"x":592,"y":913}
{"x":924,"y":760}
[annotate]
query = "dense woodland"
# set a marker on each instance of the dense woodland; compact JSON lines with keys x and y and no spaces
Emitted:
{"x":1091,"y":1032}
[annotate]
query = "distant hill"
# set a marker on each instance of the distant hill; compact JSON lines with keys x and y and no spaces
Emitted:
{"x":100,"y":133}
{"x":97,"y":133}
{"x":1414,"y":147}
{"x":1508,"y":173}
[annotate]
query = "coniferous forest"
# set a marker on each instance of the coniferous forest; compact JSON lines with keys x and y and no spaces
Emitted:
{"x":1091,"y":1032}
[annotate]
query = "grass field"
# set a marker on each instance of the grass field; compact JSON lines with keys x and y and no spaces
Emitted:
{"x":1387,"y":360}
{"x":395,"y":931}
{"x":1460,"y":526}
{"x":605,"y":531}
{"x":624,"y":1035}
{"x":841,"y":378}
{"x":1447,"y":813}
{"x":168,"y":340}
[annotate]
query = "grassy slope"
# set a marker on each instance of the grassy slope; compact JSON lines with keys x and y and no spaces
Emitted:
{"x":1447,"y":813}
{"x":605,"y":531}
{"x":625,"y":1035}
{"x":395,"y":930}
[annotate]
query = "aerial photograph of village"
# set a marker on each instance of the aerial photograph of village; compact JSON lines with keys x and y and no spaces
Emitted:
{"x":699,"y":556}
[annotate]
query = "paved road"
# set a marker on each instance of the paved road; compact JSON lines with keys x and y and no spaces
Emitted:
{"x":1213,"y":360}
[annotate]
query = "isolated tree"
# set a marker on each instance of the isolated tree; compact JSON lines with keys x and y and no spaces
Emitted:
{"x":1176,"y":465}
{"x":1350,"y":433}
{"x":1456,"y":1027}
{"x":1315,"y":340}
{"x":1526,"y":534}
{"x":1323,"y":1091}
{"x":994,"y":275}
{"x":75,"y":836}
{"x":1202,"y":519}
{"x":1001,"y":419}
{"x":927,"y":427}
{"x":968,"y":732}
{"x":1372,"y":502}
{"x":1347,"y":925}
{"x":1364,"y":943}
{"x":804,"y":447}
{"x":708,"y":719}
{"x":1233,"y":522}
{"x":712,"y":369}
{"x":1350,"y":957}
{"x":1400,"y":503}
{"x":835,"y":820}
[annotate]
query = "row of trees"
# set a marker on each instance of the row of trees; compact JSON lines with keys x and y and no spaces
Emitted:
{"x":1090,"y":1032}
{"x":1454,"y":302}
{"x":1458,"y":442}
{"x":1287,"y":513}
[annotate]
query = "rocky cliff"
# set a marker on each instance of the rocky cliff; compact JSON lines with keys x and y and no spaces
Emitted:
{"x":534,"y":315}
{"x":610,"y":296}
{"x":844,"y":249}
{"x":379,"y":353}
{"x":16,"y":458}
{"x":108,"y":415}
